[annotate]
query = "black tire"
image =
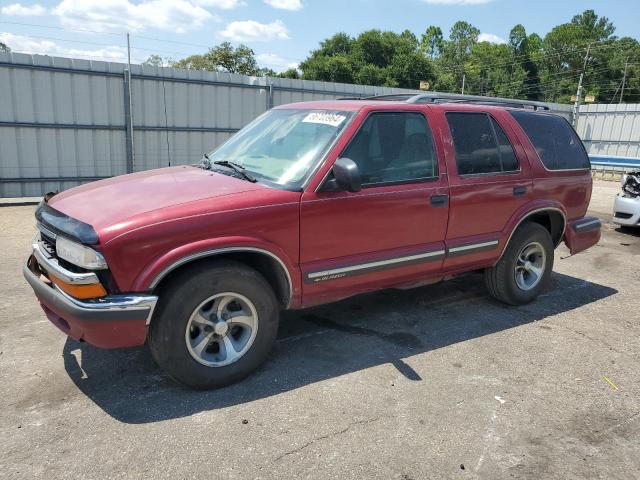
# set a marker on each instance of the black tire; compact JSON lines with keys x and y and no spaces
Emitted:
{"x":187,"y":291}
{"x":501,"y":278}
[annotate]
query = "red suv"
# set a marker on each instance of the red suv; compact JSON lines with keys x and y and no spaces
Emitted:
{"x":310,"y":203}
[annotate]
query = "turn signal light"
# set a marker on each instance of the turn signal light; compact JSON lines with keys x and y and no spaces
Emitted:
{"x":93,"y":290}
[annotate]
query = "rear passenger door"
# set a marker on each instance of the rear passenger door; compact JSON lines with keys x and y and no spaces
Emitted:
{"x":489,"y":180}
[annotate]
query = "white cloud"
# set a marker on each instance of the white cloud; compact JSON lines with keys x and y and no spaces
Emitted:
{"x":285,"y":4}
{"x":250,"y":30}
{"x":17,"y":9}
{"x":491,"y":38}
{"x":275,"y":62}
{"x":457,"y":2}
{"x":223,"y":4}
{"x":26,"y":44}
{"x":122,"y":15}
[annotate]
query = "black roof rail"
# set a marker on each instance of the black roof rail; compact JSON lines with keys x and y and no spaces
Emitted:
{"x":458,"y":98}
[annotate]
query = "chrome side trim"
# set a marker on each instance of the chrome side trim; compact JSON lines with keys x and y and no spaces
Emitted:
{"x":595,"y":223}
{"x":343,"y":271}
{"x":472,"y":246}
{"x":210,"y":253}
{"x":115,"y":303}
{"x":538,"y":210}
{"x":52,"y":266}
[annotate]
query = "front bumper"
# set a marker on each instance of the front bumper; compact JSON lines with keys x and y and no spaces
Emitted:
{"x":626,"y":210}
{"x":113,"y":321}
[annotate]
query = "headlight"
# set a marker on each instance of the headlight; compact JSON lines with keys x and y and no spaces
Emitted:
{"x":79,"y":255}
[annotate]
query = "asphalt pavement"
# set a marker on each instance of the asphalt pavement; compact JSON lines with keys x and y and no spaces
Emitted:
{"x":435,"y":382}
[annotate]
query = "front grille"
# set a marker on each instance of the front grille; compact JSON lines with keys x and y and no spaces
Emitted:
{"x":623,"y":215}
{"x":49,"y":244}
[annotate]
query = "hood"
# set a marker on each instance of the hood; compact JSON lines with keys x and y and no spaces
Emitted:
{"x":108,"y":202}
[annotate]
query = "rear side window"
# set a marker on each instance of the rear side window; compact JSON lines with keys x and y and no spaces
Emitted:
{"x":481,"y":145}
{"x":557,"y":144}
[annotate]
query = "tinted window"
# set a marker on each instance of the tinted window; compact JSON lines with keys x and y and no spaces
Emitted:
{"x":283,"y":146}
{"x":481,"y":145}
{"x":393,"y":147}
{"x":556,"y":142}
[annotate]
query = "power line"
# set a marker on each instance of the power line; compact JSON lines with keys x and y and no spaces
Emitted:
{"x":513,"y":61}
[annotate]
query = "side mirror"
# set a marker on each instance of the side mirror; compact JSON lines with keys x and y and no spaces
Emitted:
{"x":346,"y":177}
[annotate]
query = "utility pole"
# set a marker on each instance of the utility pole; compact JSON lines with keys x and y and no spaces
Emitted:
{"x":128,"y":111}
{"x":576,"y":105}
{"x":128,"y":52}
{"x":464,"y":77}
{"x":624,"y":80}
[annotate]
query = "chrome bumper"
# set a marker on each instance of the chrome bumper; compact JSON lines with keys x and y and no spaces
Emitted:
{"x":110,"y":307}
{"x":627,"y":207}
{"x":52,"y":266}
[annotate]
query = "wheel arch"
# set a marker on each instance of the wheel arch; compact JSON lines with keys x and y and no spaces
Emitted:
{"x":552,"y":218}
{"x":263,"y":261}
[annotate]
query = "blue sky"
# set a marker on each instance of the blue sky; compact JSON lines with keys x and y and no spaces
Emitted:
{"x":281,"y":32}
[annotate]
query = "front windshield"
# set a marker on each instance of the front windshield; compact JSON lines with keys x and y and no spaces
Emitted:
{"x":283,"y":145}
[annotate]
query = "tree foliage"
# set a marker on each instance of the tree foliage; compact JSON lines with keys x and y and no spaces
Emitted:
{"x":374,"y":57}
{"x":154,"y":61}
{"x":526,"y":66}
{"x":4,"y":47}
{"x":225,"y":58}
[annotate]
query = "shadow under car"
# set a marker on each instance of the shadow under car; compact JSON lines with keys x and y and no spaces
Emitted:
{"x":321,"y":343}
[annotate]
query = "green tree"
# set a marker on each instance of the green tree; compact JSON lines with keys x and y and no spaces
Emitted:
{"x":338,"y":44}
{"x":154,"y":61}
{"x":432,"y":41}
{"x":374,"y":57}
{"x":565,"y":48}
{"x":225,"y":58}
{"x":523,"y":47}
{"x":593,"y":27}
{"x":290,"y":73}
{"x":527,"y":66}
{"x":456,"y":51}
{"x":266,"y":72}
{"x":4,"y":47}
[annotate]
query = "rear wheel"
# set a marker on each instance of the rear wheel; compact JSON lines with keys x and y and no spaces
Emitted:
{"x":525,"y":267}
{"x":215,"y":325}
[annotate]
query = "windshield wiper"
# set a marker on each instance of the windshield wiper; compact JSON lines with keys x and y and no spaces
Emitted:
{"x":205,"y":163}
{"x":237,"y":167}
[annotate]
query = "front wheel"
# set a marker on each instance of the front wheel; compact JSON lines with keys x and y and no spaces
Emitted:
{"x":525,"y":267}
{"x":215,"y":325}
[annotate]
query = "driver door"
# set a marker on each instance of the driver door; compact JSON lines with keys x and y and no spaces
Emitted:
{"x":392,"y":231}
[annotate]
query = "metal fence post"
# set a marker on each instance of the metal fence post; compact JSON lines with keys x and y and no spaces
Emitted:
{"x":128,"y":120}
{"x":269,"y":95}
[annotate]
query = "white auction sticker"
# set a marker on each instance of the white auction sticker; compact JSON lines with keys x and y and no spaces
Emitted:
{"x":326,"y":118}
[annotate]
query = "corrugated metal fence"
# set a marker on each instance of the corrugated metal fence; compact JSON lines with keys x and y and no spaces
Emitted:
{"x":610,"y":129}
{"x":64,"y":121}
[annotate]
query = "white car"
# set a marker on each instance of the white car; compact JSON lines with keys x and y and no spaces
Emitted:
{"x":626,"y":207}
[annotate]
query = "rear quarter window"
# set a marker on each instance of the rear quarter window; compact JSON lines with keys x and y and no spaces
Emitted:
{"x":557,"y":144}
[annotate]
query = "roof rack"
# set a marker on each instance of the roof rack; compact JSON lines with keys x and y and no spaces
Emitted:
{"x":456,"y":98}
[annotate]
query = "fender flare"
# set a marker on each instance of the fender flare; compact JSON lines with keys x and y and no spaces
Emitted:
{"x":527,"y":214}
{"x":151,"y":277}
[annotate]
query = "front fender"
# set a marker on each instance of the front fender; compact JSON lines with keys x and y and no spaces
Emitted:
{"x":162,"y":265}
